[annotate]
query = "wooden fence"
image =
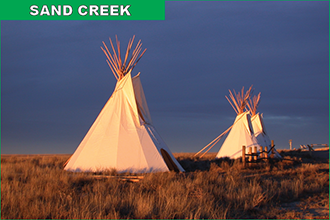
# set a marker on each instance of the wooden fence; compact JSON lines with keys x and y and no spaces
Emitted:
{"x":253,"y":156}
{"x":311,"y":147}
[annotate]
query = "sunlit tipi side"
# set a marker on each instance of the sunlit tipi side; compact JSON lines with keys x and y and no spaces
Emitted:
{"x":258,"y":124}
{"x":241,"y":132}
{"x":123,"y":137}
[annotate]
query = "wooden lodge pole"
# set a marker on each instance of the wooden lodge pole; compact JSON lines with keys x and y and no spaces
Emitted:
{"x":243,"y":156}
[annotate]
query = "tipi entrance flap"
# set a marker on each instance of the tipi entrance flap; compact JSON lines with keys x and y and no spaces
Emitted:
{"x":248,"y":123}
{"x":261,"y":136}
{"x":168,"y":160}
{"x":261,"y":116}
{"x":160,"y":144}
{"x":141,"y":99}
{"x":256,"y":124}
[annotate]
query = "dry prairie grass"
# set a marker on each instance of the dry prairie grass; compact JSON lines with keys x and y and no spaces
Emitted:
{"x":36,"y":187}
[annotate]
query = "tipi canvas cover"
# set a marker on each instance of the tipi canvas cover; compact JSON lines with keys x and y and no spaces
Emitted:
{"x":240,"y":134}
{"x":122,"y":136}
{"x":259,"y":130}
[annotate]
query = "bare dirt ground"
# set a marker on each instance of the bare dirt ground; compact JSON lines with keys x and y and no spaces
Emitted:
{"x":314,"y":206}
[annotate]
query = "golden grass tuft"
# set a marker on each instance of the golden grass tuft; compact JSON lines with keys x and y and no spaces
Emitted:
{"x":37,"y":187}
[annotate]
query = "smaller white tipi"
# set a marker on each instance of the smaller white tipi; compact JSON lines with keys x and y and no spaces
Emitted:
{"x":123,"y":136}
{"x":241,"y":132}
{"x":258,"y":124}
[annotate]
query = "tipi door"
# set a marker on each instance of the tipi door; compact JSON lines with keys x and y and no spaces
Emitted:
{"x":168,"y":160}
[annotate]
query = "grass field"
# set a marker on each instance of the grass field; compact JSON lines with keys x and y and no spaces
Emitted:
{"x":35,"y":186}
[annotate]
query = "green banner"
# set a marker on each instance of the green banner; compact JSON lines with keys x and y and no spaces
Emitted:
{"x":83,"y":10}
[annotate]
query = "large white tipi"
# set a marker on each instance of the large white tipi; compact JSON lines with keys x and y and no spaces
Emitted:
{"x":241,"y":132}
{"x":258,"y":124}
{"x":123,"y":136}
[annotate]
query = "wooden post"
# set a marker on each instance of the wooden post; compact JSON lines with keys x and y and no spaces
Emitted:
{"x":243,"y":156}
{"x":266,"y":153}
{"x":250,"y":156}
{"x":290,"y":142}
{"x":273,"y":150}
{"x":255,"y":155}
{"x":261,"y":152}
{"x":310,"y":150}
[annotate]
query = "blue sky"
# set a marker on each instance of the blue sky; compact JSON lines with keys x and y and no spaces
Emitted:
{"x":55,"y":80}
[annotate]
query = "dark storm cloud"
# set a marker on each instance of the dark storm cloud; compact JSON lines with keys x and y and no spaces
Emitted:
{"x":54,"y":78}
